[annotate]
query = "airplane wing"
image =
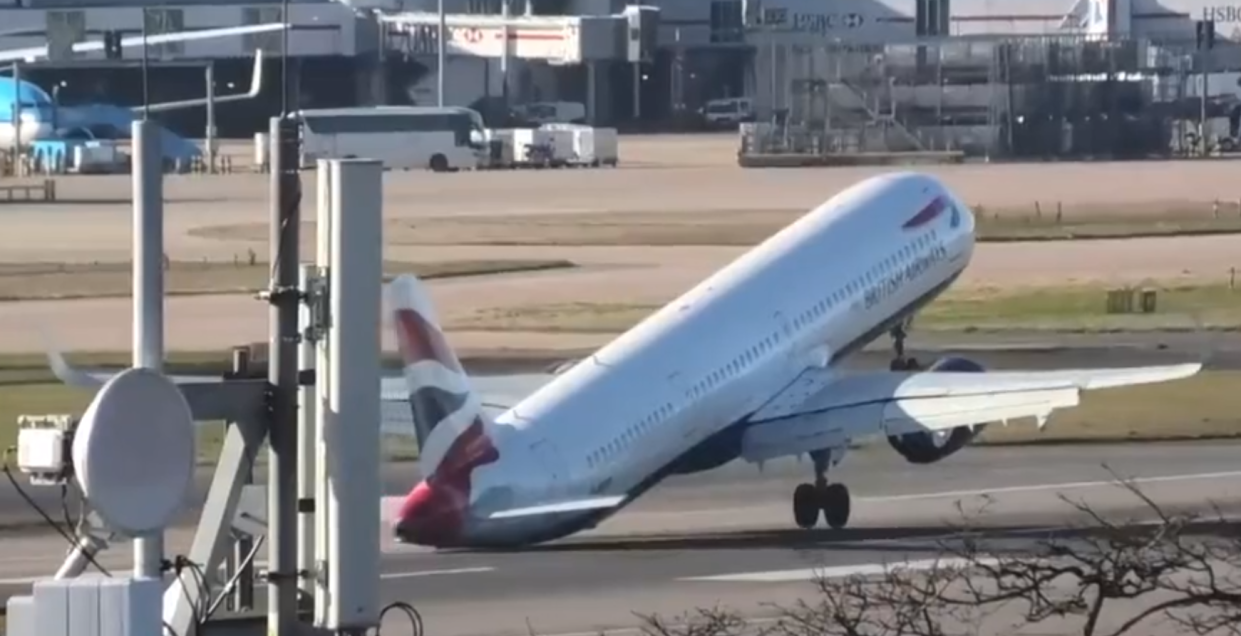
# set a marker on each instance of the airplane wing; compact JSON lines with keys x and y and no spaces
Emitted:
{"x":825,"y":409}
{"x":37,"y":52}
{"x":499,"y":393}
{"x":256,"y":87}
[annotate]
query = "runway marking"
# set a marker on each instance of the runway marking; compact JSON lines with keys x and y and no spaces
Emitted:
{"x":410,"y":575}
{"x":841,"y":571}
{"x":1072,"y":485}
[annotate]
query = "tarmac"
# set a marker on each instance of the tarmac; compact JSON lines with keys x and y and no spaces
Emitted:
{"x":725,"y":538}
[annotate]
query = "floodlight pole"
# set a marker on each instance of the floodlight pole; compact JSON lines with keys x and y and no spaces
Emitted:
{"x":148,"y":294}
{"x":282,"y":376}
{"x":441,"y":42}
{"x":146,"y":82}
{"x":17,"y":120}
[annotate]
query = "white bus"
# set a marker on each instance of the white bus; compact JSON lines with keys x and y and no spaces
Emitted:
{"x":402,"y":137}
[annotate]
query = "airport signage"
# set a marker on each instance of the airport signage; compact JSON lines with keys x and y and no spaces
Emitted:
{"x":820,"y":23}
{"x":1222,"y":13}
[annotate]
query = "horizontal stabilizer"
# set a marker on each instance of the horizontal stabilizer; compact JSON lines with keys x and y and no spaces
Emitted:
{"x":563,"y":506}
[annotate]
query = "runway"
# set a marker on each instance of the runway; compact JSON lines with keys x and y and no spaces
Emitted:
{"x":1217,"y":350}
{"x":735,"y":522}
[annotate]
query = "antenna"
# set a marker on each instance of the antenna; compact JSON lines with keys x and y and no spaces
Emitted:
{"x":133,"y":452}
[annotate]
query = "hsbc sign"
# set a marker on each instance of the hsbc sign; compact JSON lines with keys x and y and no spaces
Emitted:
{"x":820,"y":23}
{"x":1222,"y":13}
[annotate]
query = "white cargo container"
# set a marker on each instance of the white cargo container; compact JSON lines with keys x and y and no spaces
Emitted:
{"x":503,"y":137}
{"x":597,"y":146}
{"x":584,"y":145}
{"x":533,"y":147}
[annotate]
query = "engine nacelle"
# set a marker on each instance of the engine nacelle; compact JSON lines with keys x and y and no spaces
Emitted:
{"x":927,"y":447}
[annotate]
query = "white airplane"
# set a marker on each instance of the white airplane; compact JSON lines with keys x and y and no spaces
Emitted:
{"x":744,"y":365}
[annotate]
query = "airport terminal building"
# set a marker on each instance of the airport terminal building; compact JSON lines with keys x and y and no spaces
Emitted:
{"x":778,"y":52}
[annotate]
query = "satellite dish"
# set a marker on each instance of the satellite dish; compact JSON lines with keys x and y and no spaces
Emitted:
{"x":133,"y":451}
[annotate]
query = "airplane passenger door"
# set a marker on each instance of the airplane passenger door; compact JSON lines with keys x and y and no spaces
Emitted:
{"x":548,"y":455}
{"x":784,"y":328}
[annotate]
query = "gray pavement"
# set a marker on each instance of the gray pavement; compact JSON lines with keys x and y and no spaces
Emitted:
{"x":735,"y":522}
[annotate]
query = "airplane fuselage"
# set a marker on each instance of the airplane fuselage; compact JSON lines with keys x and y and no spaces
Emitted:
{"x":672,"y":394}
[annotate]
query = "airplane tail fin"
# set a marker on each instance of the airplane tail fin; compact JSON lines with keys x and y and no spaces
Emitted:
{"x":443,"y":404}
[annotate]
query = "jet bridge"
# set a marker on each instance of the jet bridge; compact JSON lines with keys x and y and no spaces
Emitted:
{"x":561,"y":40}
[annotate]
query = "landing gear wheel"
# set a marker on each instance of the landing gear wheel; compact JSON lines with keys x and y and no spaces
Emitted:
{"x":834,"y":499}
{"x":806,"y":506}
{"x":905,"y":364}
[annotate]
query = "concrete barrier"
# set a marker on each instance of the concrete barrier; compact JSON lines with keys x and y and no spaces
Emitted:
{"x":792,"y":160}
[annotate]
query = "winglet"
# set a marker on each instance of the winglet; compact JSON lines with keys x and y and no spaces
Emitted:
{"x":66,"y":372}
{"x":256,"y":78}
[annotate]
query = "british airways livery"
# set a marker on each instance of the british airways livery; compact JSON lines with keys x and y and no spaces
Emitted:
{"x":745,"y":365}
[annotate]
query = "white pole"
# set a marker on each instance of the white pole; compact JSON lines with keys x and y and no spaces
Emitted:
{"x":442,"y":42}
{"x":352,"y":436}
{"x":504,"y":16}
{"x":306,"y":437}
{"x":323,"y":371}
{"x":148,"y":291}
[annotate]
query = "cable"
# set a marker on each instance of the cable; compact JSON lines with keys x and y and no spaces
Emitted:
{"x":178,"y":566}
{"x":415,"y":618}
{"x":232,"y":582}
{"x":73,"y":541}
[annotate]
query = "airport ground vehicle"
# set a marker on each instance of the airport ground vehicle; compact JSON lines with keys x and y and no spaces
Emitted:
{"x":402,"y":137}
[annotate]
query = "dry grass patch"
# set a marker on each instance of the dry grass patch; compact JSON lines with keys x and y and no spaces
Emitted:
{"x":749,"y":227}
{"x":59,"y":281}
{"x":1079,"y":308}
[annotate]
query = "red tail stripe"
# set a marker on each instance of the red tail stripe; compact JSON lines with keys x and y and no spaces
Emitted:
{"x":420,"y":340}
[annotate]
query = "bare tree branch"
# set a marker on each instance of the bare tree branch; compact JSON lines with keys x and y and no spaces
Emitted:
{"x":1110,"y":578}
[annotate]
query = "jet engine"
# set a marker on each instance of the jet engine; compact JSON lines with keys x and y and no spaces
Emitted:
{"x":928,"y":447}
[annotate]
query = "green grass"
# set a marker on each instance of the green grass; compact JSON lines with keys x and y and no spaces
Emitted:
{"x":28,"y":387}
{"x":59,"y":281}
{"x":1084,"y":308}
{"x":54,"y":398}
{"x":749,"y":227}
{"x":1203,"y":406}
{"x":1080,"y":308}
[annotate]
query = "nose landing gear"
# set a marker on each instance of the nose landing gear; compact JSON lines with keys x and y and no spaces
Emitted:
{"x":900,"y":362}
{"x":831,"y":499}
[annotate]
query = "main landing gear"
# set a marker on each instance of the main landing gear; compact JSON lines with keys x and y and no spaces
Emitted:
{"x":900,"y":362}
{"x":831,"y":499}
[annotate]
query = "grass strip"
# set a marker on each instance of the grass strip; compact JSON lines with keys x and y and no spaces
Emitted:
{"x":63,"y":281}
{"x":749,"y":227}
{"x":1083,"y":308}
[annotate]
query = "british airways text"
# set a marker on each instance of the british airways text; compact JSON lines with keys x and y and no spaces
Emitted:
{"x":888,"y":286}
